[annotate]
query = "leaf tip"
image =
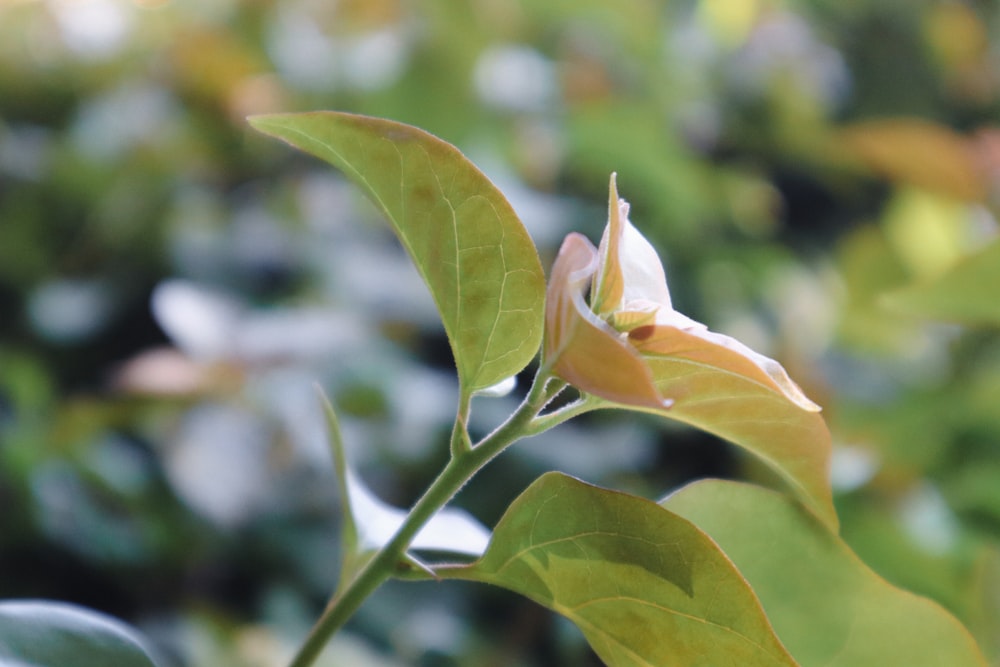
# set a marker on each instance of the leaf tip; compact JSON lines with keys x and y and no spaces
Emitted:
{"x":265,"y":123}
{"x":256,"y":120}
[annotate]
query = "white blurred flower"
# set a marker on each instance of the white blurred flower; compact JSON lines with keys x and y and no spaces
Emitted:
{"x":515,"y":78}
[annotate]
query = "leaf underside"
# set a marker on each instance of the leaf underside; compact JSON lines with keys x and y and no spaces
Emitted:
{"x":794,"y":442}
{"x":826,"y":605}
{"x":476,"y":257}
{"x":645,"y":586}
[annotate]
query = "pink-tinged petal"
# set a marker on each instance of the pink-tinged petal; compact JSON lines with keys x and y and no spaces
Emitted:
{"x":582,"y":349}
{"x":630,"y":270}
{"x":609,"y":283}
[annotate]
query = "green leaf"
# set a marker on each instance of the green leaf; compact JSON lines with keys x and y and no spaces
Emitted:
{"x":49,"y":634}
{"x":713,"y":388}
{"x":468,"y":244}
{"x":966,"y":293}
{"x":646,"y":587}
{"x":672,"y":365}
{"x":826,"y":605}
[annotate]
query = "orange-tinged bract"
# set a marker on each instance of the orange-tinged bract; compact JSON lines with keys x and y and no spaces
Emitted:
{"x":630,"y":347}
{"x":595,"y":347}
{"x":583,"y":349}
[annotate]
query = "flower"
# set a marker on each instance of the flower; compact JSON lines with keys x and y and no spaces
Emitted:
{"x":613,"y":346}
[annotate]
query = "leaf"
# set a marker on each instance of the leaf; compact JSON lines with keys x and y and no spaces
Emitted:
{"x":720,"y":390}
{"x":645,"y":586}
{"x":920,"y":153}
{"x":826,"y":605}
{"x":51,"y":634}
{"x":672,"y":365}
{"x":965,"y":293}
{"x":468,"y":244}
{"x":609,"y":280}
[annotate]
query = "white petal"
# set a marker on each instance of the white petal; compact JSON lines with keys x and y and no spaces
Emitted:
{"x":642,"y":269}
{"x":450,"y":530}
{"x":500,"y":389}
{"x":200,"y":321}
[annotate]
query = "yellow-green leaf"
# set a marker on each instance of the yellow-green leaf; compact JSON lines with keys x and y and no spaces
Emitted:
{"x":468,"y":244}
{"x":646,"y":587}
{"x":965,"y":293}
{"x":755,"y":405}
{"x":827,"y":606}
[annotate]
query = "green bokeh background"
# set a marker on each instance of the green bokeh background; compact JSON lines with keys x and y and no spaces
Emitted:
{"x":189,"y":493}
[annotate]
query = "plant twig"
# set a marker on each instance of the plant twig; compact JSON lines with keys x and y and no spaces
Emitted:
{"x":460,"y":469}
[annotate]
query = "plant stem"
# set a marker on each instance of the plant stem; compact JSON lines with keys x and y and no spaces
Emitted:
{"x":578,"y":407}
{"x":460,"y":443}
{"x":459,"y":470}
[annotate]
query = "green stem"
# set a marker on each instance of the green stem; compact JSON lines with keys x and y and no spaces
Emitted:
{"x":459,"y":470}
{"x":460,"y":443}
{"x":578,"y":407}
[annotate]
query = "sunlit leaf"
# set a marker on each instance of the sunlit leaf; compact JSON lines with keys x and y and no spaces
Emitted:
{"x":966,"y":293}
{"x":826,"y":605}
{"x":673,"y":365}
{"x":720,"y":390}
{"x":918,"y":152}
{"x":646,"y":587}
{"x":468,"y":244}
{"x":49,"y":634}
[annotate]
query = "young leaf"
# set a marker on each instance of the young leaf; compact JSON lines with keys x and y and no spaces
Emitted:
{"x":647,"y":356}
{"x":49,"y":634}
{"x":716,"y":389}
{"x":966,"y":293}
{"x":826,"y":605}
{"x":645,"y":586}
{"x":468,"y":244}
{"x":582,"y":348}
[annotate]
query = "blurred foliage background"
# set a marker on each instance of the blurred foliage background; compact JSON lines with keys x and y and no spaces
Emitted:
{"x":172,"y":287}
